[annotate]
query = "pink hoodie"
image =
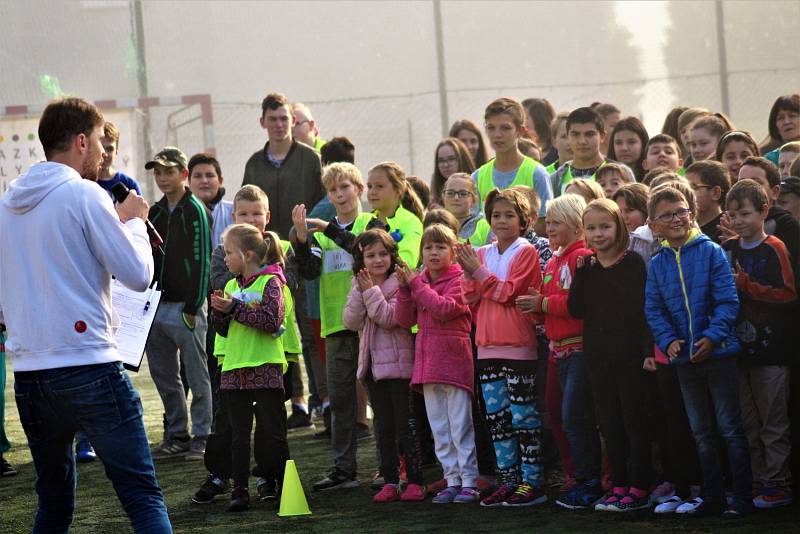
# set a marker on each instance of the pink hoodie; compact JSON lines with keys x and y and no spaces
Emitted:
{"x":503,"y":331}
{"x":444,"y":350}
{"x":386,"y":350}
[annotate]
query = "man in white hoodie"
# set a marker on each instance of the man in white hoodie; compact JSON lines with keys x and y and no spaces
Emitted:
{"x":61,"y":240}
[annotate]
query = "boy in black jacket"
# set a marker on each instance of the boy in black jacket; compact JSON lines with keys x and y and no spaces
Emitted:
{"x":182,"y":273}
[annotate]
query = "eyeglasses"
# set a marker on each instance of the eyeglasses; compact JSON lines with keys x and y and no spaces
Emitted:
{"x":667,"y":218}
{"x":450,"y":160}
{"x":450,"y":193}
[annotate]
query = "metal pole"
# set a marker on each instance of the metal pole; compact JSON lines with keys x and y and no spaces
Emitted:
{"x":723,"y":59}
{"x":437,"y":22}
{"x":137,"y":23}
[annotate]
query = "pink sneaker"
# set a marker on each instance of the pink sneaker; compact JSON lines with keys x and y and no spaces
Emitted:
{"x":389,"y":493}
{"x":413,"y":493}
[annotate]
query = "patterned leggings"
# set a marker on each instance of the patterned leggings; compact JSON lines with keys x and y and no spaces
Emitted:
{"x":508,"y":388}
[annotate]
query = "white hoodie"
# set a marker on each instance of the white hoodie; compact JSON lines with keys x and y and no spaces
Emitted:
{"x":60,"y":241}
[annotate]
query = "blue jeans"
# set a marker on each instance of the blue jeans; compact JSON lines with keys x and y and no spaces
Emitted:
{"x":99,"y":400}
{"x":577,"y":415}
{"x":711,"y":395}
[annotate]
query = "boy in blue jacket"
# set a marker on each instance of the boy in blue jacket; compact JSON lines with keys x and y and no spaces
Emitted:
{"x":691,"y":306}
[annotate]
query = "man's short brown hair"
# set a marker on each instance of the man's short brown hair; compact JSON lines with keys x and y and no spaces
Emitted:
{"x":63,"y":119}
{"x":274,"y":101}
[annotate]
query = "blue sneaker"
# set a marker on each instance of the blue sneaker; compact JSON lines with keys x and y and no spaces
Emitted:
{"x":84,"y":452}
{"x":582,"y":496}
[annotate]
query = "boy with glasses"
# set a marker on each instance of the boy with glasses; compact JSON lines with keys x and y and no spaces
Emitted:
{"x":691,"y":306}
{"x":710,"y":182}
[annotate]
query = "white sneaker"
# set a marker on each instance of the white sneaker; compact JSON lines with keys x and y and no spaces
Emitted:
{"x":669,"y":506}
{"x":688,"y":507}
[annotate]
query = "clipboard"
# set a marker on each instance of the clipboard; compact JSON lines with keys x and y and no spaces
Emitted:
{"x":133,"y":313}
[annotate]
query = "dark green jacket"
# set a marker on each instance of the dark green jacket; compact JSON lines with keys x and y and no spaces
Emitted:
{"x":297,"y":181}
{"x":183,"y":271}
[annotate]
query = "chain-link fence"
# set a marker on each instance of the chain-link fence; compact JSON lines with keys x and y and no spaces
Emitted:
{"x":407,"y":128}
{"x":369,"y":70}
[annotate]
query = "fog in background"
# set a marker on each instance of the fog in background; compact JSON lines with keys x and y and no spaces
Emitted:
{"x":369,"y":70}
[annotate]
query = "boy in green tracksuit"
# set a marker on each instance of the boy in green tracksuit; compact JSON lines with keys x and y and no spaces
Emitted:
{"x":182,"y":273}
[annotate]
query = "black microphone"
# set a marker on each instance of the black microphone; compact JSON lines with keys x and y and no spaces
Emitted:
{"x":120,"y":192}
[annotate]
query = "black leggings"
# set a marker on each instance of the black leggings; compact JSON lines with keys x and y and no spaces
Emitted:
{"x":391,"y":402}
{"x":268,"y":409}
{"x":620,"y":396}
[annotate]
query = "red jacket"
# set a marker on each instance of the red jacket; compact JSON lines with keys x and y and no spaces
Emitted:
{"x":443,"y":349}
{"x":563,"y":331}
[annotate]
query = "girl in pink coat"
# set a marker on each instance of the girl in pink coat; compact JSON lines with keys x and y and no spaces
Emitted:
{"x":385,"y":359}
{"x":443,"y":361}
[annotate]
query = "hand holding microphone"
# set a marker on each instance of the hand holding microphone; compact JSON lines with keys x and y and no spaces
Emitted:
{"x":132,"y":206}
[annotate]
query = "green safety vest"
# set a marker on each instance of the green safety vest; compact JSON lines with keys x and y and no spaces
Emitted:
{"x":246,"y":346}
{"x":318,"y":144}
{"x":681,"y":171}
{"x":553,"y":167}
{"x":334,"y":281}
{"x":479,"y":236}
{"x":486,"y":177}
{"x":291,"y":335}
{"x":568,"y":176}
{"x":410,"y":228}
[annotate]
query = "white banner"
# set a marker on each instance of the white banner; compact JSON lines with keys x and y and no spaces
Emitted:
{"x":20,"y":147}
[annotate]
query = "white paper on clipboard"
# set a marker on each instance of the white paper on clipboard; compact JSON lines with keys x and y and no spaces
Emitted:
{"x":132,"y":321}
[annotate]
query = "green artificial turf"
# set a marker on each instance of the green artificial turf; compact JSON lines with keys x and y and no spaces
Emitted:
{"x":346,"y":511}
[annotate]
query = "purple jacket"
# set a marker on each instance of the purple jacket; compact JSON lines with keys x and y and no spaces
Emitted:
{"x":385,"y":349}
{"x":443,"y":348}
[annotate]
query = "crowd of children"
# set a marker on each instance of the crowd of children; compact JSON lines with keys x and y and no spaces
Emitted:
{"x":618,"y":306}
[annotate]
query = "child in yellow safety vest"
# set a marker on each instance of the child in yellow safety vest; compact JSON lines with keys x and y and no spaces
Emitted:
{"x":250,"y":315}
{"x":250,"y":206}
{"x":505,"y":124}
{"x":322,"y":252}
{"x":397,"y":205}
{"x":460,"y":198}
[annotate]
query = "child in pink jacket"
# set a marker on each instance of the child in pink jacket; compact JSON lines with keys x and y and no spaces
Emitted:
{"x":443,"y":361}
{"x":494,"y":277}
{"x":385,"y":359}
